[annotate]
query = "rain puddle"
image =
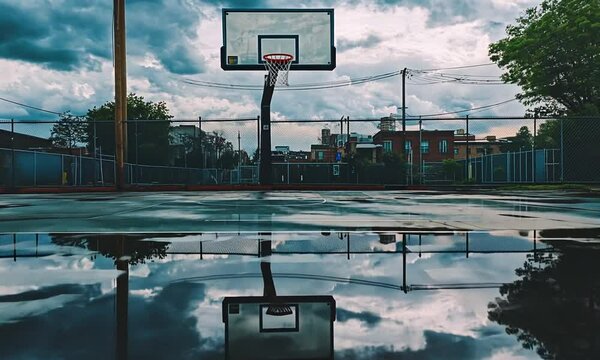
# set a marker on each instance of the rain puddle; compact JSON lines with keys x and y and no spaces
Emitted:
{"x":312,"y":295}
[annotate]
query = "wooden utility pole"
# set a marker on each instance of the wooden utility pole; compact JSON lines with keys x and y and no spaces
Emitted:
{"x":404,"y":100}
{"x":120,"y":92}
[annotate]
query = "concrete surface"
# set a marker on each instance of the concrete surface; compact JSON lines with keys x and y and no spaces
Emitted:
{"x":295,"y":211}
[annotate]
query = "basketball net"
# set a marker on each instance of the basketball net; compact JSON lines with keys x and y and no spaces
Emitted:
{"x":278,"y":66}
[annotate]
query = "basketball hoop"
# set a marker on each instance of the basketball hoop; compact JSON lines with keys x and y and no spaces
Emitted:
{"x":278,"y":66}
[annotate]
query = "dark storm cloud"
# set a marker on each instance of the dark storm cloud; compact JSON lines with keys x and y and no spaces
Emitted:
{"x":439,"y":346}
{"x":442,"y":11}
{"x":159,"y":328}
{"x":368,"y":42}
{"x":58,"y":37}
{"x":238,"y":3}
{"x":162,"y":28}
{"x":65,"y":36}
{"x":368,"y":318}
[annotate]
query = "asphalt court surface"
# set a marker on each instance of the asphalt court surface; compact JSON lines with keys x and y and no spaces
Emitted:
{"x":297,"y":211}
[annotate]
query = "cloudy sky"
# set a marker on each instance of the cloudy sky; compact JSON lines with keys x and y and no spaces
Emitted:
{"x":175,"y":304}
{"x":57,"y":55}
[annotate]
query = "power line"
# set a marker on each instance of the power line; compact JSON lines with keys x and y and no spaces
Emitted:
{"x":298,"y":87}
{"x":469,"y":110}
{"x":459,"y":67}
{"x":30,"y":106}
{"x":421,"y":77}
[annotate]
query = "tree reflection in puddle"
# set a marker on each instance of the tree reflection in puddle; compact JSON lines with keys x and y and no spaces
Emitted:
{"x":554,"y":307}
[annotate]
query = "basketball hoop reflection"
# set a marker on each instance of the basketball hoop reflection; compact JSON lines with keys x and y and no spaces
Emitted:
{"x":278,"y":327}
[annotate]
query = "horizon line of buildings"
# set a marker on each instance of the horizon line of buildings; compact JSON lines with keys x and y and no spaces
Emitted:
{"x":413,"y":146}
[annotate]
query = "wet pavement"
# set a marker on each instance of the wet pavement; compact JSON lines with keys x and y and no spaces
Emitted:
{"x":288,"y":275}
{"x":296,"y":211}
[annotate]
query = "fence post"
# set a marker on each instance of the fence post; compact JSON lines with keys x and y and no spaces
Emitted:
{"x":257,"y":141}
{"x":492,"y":167}
{"x":95,"y":153}
{"x":468,"y":152}
{"x":508,"y":166}
{"x":35,"y":168}
{"x":533,"y":160}
{"x":12,"y":153}
{"x":200,"y":137}
{"x":562,"y":152}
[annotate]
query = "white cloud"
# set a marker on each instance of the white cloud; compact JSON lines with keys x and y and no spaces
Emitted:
{"x":406,"y":36}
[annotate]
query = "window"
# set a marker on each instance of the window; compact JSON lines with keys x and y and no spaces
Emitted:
{"x":425,"y":146}
{"x":443,"y":146}
{"x":320,"y":155}
{"x":387,"y":146}
{"x":455,"y":151}
{"x":408,"y":146}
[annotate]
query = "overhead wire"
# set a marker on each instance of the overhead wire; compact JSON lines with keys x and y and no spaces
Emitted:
{"x":305,"y":86}
{"x":460,"y":67}
{"x":423,"y":77}
{"x":484,"y":107}
{"x":31,"y":107}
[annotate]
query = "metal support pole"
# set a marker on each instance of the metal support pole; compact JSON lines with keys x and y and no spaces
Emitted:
{"x":404,"y":100}
{"x":514,"y":161}
{"x":95,"y":154}
{"x":533,"y":160}
{"x":562,"y":153}
{"x":467,"y":245}
{"x":341,"y":128}
{"x":421,"y":175}
{"x":120,"y":92}
{"x":200,"y":136}
{"x":404,"y":286}
{"x":80,"y":167}
{"x":348,"y":134}
{"x":12,"y":154}
{"x":348,"y":245}
{"x":508,"y":166}
{"x":258,"y":138}
{"x":467,"y":150}
{"x":35,"y":168}
{"x":526,"y":168}
{"x":535,"y":244}
{"x":492,"y":167}
{"x":265,"y":173}
{"x":136,"y":152}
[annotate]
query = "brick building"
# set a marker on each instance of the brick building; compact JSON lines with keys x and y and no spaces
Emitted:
{"x":23,"y":141}
{"x":435,"y":145}
{"x":477,"y":147}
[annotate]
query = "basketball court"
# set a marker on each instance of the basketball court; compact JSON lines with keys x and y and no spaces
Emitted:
{"x":294,"y":211}
{"x":356,"y":274}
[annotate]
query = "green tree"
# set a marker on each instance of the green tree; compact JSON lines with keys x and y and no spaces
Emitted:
{"x":255,"y":157}
{"x":138,"y":248}
{"x":148,"y":126}
{"x":227,"y":160}
{"x":522,"y":141}
{"x":552,"y":54}
{"x":554,"y":306}
{"x":69,"y":131}
{"x":450,"y":168}
{"x":548,"y":135}
{"x":394,"y":168}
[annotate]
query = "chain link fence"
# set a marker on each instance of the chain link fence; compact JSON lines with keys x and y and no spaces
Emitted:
{"x":346,"y":151}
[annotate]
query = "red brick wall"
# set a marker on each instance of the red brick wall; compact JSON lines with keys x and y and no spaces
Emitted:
{"x":434,"y":137}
